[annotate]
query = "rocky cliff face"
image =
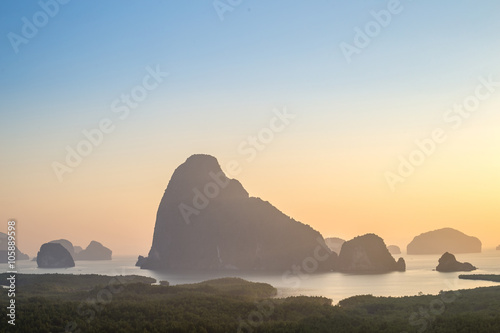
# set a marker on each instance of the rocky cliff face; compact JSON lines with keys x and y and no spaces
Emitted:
{"x":95,"y":251}
{"x":367,"y":254}
{"x":54,"y":255}
{"x":448,"y":263}
{"x":207,"y":221}
{"x":444,"y":240}
{"x":4,"y":243}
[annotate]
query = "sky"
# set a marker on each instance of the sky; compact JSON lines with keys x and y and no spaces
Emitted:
{"x":391,"y":108}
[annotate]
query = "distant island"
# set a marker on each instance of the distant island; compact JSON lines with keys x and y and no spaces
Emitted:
{"x":4,"y":240}
{"x":94,"y":251}
{"x":368,"y":254}
{"x":207,"y":221}
{"x":67,"y":245}
{"x":444,"y":240}
{"x":54,"y":255}
{"x":481,"y":277}
{"x":448,"y":263}
{"x":498,"y":248}
{"x":394,"y":249}
{"x":334,"y":244}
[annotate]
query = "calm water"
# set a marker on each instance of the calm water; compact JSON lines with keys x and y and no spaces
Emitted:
{"x":419,"y":277}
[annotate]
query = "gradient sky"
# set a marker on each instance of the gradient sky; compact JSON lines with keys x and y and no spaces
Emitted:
{"x":326,"y":169}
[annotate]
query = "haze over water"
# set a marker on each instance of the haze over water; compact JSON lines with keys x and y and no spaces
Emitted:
{"x":419,"y":277}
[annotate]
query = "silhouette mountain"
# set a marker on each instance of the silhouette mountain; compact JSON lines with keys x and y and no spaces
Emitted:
{"x":444,"y":240}
{"x":54,"y":255}
{"x":394,"y":249}
{"x":94,"y":251}
{"x":334,"y":243}
{"x":448,"y":263}
{"x":207,"y":221}
{"x":367,"y":254}
{"x":67,"y":245}
{"x":4,"y":244}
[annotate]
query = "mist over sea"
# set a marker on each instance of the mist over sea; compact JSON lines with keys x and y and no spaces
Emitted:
{"x":419,"y":276}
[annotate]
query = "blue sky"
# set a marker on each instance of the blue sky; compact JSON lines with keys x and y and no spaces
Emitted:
{"x":224,"y":79}
{"x":271,"y":51}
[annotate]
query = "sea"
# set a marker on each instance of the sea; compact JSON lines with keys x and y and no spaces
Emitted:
{"x":420,"y":276}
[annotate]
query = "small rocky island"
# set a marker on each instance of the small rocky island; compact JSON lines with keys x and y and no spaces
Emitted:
{"x":334,"y":244}
{"x":498,"y":248}
{"x":95,"y":251}
{"x":67,"y":245}
{"x":54,"y":255}
{"x":368,"y":254}
{"x":448,"y":263}
{"x":394,"y":249}
{"x":3,"y":250}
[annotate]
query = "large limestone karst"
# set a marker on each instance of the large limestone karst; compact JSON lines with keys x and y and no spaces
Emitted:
{"x":444,"y":240}
{"x":207,"y":221}
{"x":54,"y":255}
{"x":367,"y":254}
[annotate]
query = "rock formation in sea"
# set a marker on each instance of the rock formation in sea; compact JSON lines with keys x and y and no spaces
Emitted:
{"x":4,"y":244}
{"x":334,"y":243}
{"x":206,"y":221}
{"x":367,"y":254}
{"x":54,"y":255}
{"x":448,"y":263}
{"x":77,"y":249}
{"x":67,"y":245}
{"x":401,"y":265}
{"x":444,"y":240}
{"x":498,"y":248}
{"x":394,"y":249}
{"x":95,"y":251}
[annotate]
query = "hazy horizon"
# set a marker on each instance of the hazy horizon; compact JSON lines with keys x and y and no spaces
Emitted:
{"x":331,"y":126}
